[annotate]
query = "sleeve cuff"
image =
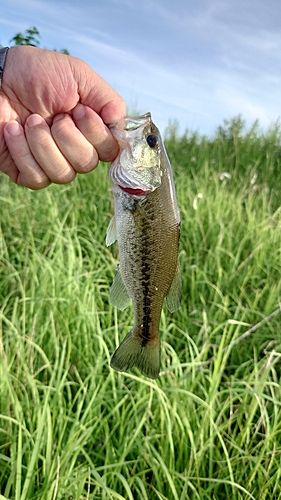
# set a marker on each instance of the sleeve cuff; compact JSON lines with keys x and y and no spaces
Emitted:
{"x":3,"y":55}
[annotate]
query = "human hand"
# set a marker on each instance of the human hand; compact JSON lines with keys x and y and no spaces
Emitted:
{"x":54,"y":112}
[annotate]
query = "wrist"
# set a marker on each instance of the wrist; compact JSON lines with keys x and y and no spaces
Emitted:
{"x":5,"y":107}
{"x":3,"y":57}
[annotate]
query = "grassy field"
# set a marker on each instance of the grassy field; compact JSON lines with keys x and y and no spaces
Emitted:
{"x":210,"y":426}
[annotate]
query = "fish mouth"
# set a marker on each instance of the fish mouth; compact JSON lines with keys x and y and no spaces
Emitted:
{"x":130,"y":123}
{"x":135,"y":122}
{"x":133,"y":191}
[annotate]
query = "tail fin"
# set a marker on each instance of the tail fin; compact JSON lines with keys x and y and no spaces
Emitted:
{"x":132,"y":352}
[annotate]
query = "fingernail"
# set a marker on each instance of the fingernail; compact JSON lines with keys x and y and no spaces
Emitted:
{"x":78,"y":112}
{"x":13,"y":128}
{"x":58,"y":117}
{"x":34,"y":120}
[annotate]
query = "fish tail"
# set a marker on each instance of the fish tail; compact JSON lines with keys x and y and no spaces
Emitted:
{"x":134,"y":351}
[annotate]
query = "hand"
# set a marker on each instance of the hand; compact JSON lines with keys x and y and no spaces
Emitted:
{"x":54,"y":112}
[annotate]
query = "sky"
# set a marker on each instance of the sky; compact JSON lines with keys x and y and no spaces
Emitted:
{"x":194,"y":61}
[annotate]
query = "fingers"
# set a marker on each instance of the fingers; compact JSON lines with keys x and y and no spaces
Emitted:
{"x":73,"y":145}
{"x":40,"y":154}
{"x":46,"y":152}
{"x":8,"y":167}
{"x":96,"y":132}
{"x":36,"y":156}
{"x":28,"y":171}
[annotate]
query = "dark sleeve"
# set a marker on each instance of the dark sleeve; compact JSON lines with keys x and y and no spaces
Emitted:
{"x":3,"y":55}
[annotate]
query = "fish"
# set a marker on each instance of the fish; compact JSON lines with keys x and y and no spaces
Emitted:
{"x":146,"y":226}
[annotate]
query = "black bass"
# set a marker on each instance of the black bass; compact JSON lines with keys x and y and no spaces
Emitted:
{"x":146,"y":227}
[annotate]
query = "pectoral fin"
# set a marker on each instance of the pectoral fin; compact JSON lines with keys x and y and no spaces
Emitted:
{"x":111,"y":236}
{"x":118,"y":294}
{"x":173,"y":298}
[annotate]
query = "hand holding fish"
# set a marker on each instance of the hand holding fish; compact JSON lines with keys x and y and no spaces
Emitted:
{"x":54,"y":112}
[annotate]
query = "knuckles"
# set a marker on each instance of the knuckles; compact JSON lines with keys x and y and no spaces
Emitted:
{"x":59,"y":127}
{"x":37,"y":185}
{"x":64,"y":176}
{"x":36,"y":182}
{"x":109,"y":152}
{"x":87,"y":166}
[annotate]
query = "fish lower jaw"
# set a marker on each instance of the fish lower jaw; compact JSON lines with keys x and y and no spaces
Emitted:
{"x":133,"y":191}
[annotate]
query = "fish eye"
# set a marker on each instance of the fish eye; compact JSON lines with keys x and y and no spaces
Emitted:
{"x":152,"y":140}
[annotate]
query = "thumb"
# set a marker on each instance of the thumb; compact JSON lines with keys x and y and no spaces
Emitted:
{"x":98,"y":94}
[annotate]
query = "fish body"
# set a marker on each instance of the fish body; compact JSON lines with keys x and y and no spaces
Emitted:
{"x":147,"y":231}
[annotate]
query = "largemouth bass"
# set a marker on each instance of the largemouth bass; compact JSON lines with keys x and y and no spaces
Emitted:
{"x":146,"y":227}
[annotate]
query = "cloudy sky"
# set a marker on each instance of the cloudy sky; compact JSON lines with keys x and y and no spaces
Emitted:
{"x":196,"y":61}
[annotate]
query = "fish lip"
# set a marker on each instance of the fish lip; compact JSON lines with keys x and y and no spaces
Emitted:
{"x":133,"y":191}
{"x":128,"y":185}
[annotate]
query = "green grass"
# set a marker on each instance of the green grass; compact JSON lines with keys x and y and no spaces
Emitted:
{"x":210,"y":426}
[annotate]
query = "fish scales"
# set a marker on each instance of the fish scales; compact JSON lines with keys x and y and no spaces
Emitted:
{"x":148,"y":247}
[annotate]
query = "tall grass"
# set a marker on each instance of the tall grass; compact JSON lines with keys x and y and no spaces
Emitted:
{"x":210,"y":426}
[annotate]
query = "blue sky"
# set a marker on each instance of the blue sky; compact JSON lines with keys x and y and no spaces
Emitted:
{"x":196,"y":61}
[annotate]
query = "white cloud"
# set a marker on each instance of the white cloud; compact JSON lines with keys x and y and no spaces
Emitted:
{"x":234,"y":101}
{"x":205,"y":61}
{"x":151,"y":79}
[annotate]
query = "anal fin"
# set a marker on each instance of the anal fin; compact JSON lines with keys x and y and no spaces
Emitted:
{"x":173,"y":299}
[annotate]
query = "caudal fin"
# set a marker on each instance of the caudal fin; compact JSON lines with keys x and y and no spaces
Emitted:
{"x":132,"y":352}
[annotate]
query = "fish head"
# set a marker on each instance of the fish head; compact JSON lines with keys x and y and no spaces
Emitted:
{"x":137,"y":168}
